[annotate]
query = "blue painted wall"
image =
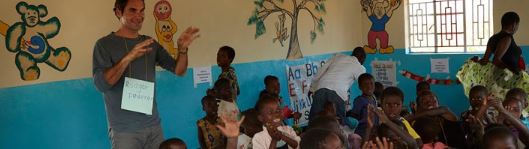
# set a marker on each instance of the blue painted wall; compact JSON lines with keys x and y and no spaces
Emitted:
{"x":71,"y":114}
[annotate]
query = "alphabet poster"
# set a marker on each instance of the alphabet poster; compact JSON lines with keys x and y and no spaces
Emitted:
{"x":299,"y":80}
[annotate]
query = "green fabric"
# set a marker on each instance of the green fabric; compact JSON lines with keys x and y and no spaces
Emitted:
{"x":497,"y":81}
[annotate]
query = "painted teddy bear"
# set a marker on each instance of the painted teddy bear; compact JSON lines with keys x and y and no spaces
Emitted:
{"x":379,"y":12}
{"x":29,"y":39}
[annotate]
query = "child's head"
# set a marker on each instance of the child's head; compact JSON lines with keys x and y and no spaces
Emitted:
{"x":392,"y":99}
{"x":209,"y":105}
{"x":510,"y":20}
{"x":499,"y":136}
{"x":379,"y":88}
{"x":320,"y":139}
{"x":476,"y":96}
{"x":222,"y":89}
{"x":427,"y":100}
{"x":366,"y":82}
{"x":360,"y":54}
{"x":325,"y":122}
{"x":173,"y":143}
{"x":272,"y":84}
{"x":518,"y":94}
{"x":225,"y":56}
{"x":422,"y":86}
{"x":269,"y":111}
{"x":515,"y":106}
{"x":251,"y":124}
{"x":428,"y":128}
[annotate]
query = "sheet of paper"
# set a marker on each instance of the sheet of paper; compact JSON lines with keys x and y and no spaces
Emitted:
{"x":138,"y":96}
{"x":440,"y":65}
{"x":384,"y":72}
{"x":202,"y":75}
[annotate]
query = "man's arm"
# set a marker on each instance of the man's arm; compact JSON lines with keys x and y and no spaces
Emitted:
{"x":114,"y":73}
{"x":183,"y":42}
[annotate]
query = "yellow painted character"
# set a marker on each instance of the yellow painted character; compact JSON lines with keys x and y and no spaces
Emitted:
{"x":165,"y":27}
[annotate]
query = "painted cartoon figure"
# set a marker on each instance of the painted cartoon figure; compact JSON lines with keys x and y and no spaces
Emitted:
{"x":165,"y":27}
{"x":379,"y":12}
{"x":29,"y":39}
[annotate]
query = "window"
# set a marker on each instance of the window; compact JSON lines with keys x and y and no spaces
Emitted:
{"x":449,"y":26}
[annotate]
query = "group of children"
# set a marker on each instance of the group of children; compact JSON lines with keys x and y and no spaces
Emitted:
{"x":383,"y":120}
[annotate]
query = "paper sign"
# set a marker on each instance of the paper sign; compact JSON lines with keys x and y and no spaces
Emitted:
{"x":440,"y":65}
{"x":384,"y":72}
{"x":138,"y":96}
{"x":202,"y":75}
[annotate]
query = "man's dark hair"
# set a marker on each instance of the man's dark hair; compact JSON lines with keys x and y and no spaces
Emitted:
{"x":358,"y":51}
{"x":120,"y":5}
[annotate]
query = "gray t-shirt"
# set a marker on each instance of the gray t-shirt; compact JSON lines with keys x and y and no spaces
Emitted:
{"x":108,"y":51}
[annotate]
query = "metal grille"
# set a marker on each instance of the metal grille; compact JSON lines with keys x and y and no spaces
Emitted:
{"x":449,"y":26}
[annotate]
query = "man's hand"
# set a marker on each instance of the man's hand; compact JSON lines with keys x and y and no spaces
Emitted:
{"x":186,"y":38}
{"x":139,"y":49}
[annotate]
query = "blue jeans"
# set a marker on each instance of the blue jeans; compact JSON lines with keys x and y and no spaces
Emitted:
{"x":323,"y":95}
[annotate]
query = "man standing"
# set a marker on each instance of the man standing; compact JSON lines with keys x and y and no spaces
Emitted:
{"x":124,"y":60}
{"x":333,"y":81}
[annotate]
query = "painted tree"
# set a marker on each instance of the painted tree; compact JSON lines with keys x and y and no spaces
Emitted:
{"x":290,"y":9}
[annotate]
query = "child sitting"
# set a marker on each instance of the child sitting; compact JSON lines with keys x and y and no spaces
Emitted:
{"x":226,"y":103}
{"x":480,"y":110}
{"x":421,"y":86}
{"x":510,"y":111}
{"x":274,"y":133}
{"x":366,"y":82}
{"x":392,"y":100}
{"x":519,"y":94}
{"x":388,"y":129}
{"x":209,"y":136}
{"x":428,"y":106}
{"x":225,"y":57}
{"x":173,"y":143}
{"x":478,"y":97}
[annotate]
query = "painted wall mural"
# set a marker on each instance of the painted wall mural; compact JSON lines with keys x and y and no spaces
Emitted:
{"x":165,"y":27}
{"x":290,"y":9}
{"x":29,"y":40}
{"x":379,"y":13}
